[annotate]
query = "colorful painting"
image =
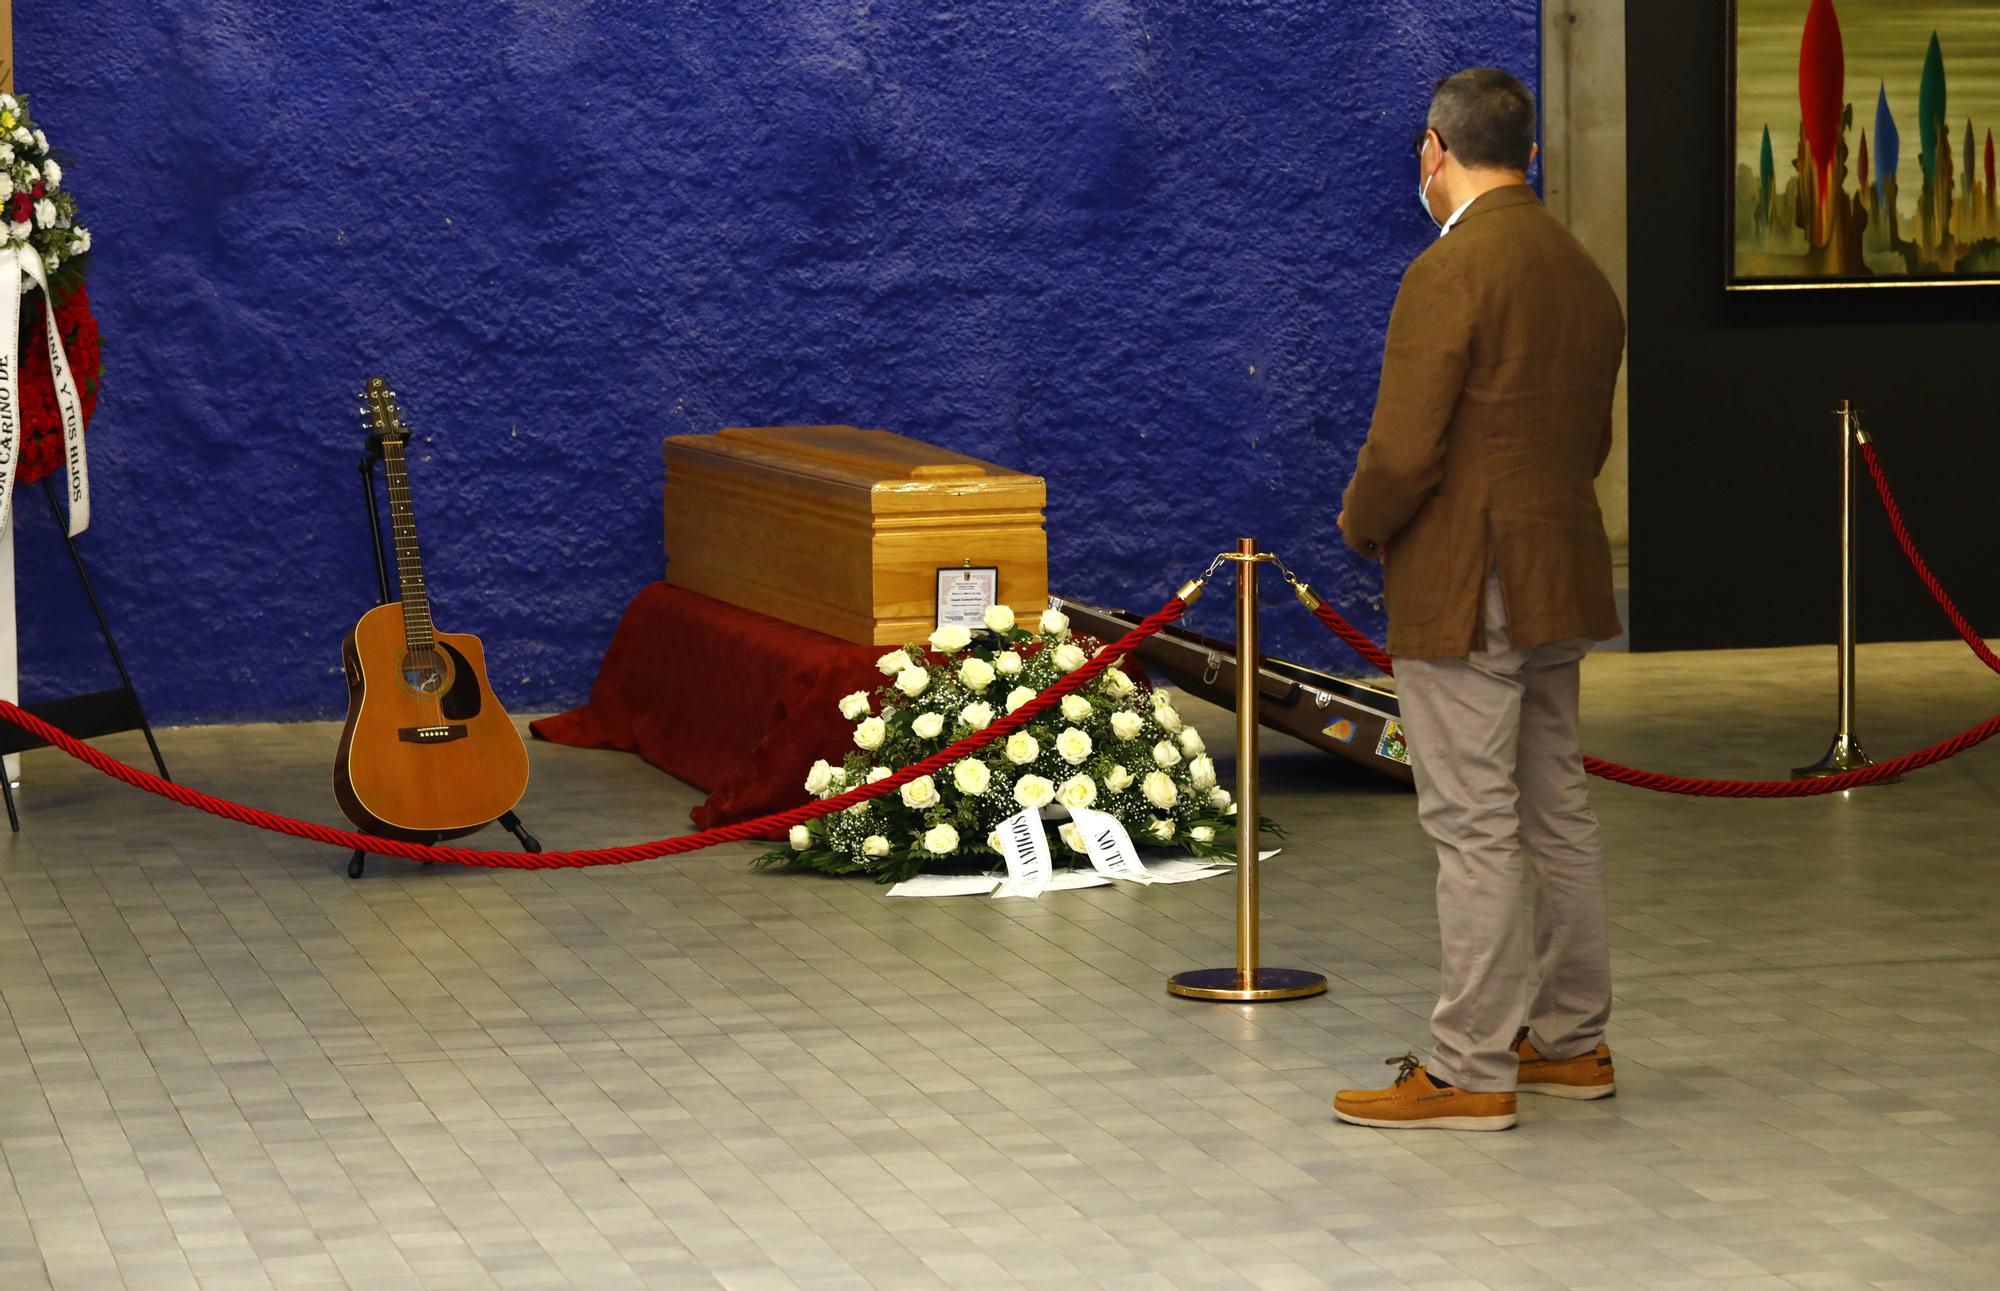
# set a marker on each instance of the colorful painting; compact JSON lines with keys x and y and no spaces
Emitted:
{"x":1863,"y":143}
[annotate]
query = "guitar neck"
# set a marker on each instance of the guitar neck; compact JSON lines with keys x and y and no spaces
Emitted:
{"x":409,"y":561}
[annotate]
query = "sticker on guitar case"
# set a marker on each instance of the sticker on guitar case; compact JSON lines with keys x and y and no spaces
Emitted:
{"x":1393,"y":744}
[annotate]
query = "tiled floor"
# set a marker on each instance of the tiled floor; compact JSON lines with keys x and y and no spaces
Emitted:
{"x":222,"y":1064}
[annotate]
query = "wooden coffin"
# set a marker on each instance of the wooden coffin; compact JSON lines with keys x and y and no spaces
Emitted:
{"x":844,"y":530}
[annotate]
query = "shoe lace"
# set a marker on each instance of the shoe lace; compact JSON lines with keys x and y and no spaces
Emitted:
{"x":1408,"y":1064}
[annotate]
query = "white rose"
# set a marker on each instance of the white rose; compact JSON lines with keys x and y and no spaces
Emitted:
{"x":920,"y":793}
{"x":1118,"y":779}
{"x":853,"y":706}
{"x":1077,"y":791}
{"x":1166,"y":754}
{"x":1055,"y":622}
{"x":52,"y":174}
{"x":1167,"y":717}
{"x":1161,"y":699}
{"x":878,"y":773}
{"x":1117,"y":683}
{"x":972,"y":776}
{"x":950,"y":639}
{"x":1126,"y":724}
{"x":1162,"y":830}
{"x":1075,"y":707}
{"x":1007,"y":663}
{"x":1201,"y":772}
{"x":941,"y":840}
{"x":1073,"y":746}
{"x":1018,"y":696}
{"x":1000,"y":618}
{"x":875,"y":845}
{"x":1072,"y":837}
{"x":1022,"y":748}
{"x":869,"y":734}
{"x":1069,"y":656}
{"x":1034,"y":791}
{"x":823,"y":776}
{"x":978,"y":716}
{"x":1159,"y":789}
{"x":928,"y":726}
{"x":802,"y":838}
{"x":894,"y":662}
{"x":1202,"y":834}
{"x":1218,"y":797}
{"x":913,"y":681}
{"x":976,"y":673}
{"x":993,"y":841}
{"x":1191,"y":742}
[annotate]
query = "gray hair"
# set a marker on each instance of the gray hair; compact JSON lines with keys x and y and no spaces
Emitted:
{"x":1486,"y":117}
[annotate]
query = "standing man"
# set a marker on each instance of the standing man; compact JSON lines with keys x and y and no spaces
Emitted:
{"x":1474,"y":490}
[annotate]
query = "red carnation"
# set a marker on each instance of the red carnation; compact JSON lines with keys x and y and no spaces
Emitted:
{"x":41,"y":419}
{"x":23,"y":209}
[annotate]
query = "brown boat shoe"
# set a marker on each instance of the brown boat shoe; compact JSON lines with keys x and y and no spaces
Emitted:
{"x":1413,"y":1102}
{"x":1588,"y":1075}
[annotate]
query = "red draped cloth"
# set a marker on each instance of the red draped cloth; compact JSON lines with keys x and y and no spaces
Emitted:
{"x":729,"y":700}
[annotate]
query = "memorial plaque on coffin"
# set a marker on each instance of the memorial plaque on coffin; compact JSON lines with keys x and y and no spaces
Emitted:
{"x":844,"y":530}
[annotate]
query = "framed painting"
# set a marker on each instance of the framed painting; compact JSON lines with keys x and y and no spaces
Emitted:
{"x":1861,"y":144}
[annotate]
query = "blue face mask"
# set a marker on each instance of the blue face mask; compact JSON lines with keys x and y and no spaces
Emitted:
{"x":1424,"y":200}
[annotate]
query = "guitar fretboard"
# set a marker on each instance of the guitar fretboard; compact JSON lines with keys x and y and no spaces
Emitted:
{"x":409,"y":563}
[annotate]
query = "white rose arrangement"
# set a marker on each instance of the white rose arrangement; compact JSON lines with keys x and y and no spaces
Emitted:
{"x":1112,"y":746}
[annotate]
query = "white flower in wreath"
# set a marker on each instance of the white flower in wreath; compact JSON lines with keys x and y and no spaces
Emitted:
{"x":1072,"y":837}
{"x":879,"y":773}
{"x":41,"y":142}
{"x":45,"y":212}
{"x":1165,"y":754}
{"x":1167,"y":717}
{"x":1077,"y":791}
{"x":913,"y":681}
{"x":853,"y":706}
{"x":1000,"y":618}
{"x":950,"y":639}
{"x":1069,"y":656}
{"x":1201,"y":773}
{"x":1076,"y":708}
{"x":875,"y":845}
{"x":1191,"y":743}
{"x":1073,"y":746}
{"x":1162,"y":830}
{"x":1117,"y":779}
{"x":976,"y":673}
{"x":920,"y":794}
{"x":801,"y":838}
{"x":52,"y":174}
{"x":19,"y":232}
{"x":894,"y":662}
{"x":1034,"y":792}
{"x":823,"y":776}
{"x":1116,"y":683}
{"x":6,"y":154}
{"x":972,"y":777}
{"x":82,"y":242}
{"x":1007,"y":663}
{"x":1159,"y":789}
{"x":978,"y":716}
{"x":1054,"y":622}
{"x":1218,"y":797}
{"x":1202,"y":834}
{"x":50,"y":261}
{"x":1126,"y":724}
{"x":6,"y":187}
{"x":1022,"y":748}
{"x":993,"y":840}
{"x":21,"y":137}
{"x":870,"y":734}
{"x":1018,"y":696}
{"x":941,"y":840}
{"x":928,"y":726}
{"x":9,"y":103}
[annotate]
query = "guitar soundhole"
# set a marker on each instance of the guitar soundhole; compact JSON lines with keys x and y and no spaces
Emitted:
{"x":426,"y":671}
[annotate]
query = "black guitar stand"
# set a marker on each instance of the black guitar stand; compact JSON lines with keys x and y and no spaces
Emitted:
{"x":358,"y":863}
{"x":102,"y":712}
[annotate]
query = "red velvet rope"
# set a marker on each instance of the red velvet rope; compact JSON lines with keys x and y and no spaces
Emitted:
{"x":1700,"y":788}
{"x":607,"y":855}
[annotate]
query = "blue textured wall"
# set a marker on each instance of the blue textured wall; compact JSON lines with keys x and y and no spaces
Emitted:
{"x":1144,"y":249}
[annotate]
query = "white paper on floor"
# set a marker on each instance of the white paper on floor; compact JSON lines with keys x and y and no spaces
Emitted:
{"x":1167,"y":869}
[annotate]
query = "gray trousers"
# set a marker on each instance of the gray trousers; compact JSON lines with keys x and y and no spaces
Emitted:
{"x":1501,"y":790}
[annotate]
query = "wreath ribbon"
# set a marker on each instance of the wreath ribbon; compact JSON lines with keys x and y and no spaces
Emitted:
{"x":29,"y":262}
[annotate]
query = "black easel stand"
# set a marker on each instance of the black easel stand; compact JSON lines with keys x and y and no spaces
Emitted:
{"x":102,"y":712}
{"x":358,"y":862}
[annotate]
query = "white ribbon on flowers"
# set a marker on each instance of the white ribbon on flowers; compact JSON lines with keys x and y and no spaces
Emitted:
{"x":28,"y":261}
{"x":1025,"y":846}
{"x":1109,"y":845}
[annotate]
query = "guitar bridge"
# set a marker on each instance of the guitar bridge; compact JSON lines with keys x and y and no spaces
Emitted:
{"x":431,"y":734}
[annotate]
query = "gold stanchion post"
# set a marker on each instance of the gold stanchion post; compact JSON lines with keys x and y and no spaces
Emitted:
{"x":1845,"y":752}
{"x":1248,"y":980}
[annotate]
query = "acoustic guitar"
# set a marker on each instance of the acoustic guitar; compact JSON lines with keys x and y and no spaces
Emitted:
{"x":427,"y":752}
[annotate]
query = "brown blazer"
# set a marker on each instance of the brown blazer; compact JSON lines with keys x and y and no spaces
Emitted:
{"x":1493,"y":418}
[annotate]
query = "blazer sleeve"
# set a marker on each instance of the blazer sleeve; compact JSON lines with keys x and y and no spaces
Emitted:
{"x":1424,"y":365}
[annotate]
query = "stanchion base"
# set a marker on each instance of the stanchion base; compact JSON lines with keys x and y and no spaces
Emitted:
{"x":1229,"y":984}
{"x":1844,"y":755}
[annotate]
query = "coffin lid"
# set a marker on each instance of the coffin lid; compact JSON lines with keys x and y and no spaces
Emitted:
{"x":844,"y":455}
